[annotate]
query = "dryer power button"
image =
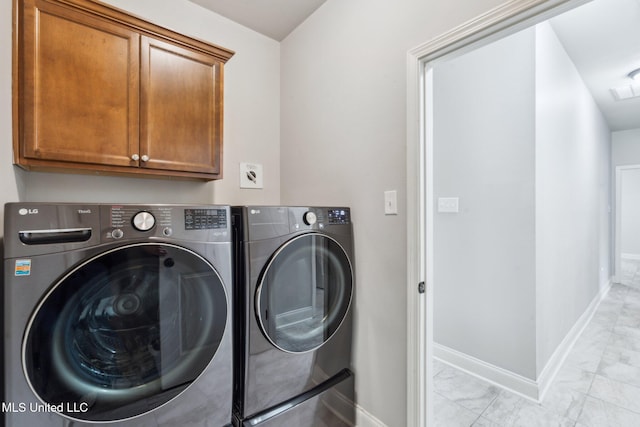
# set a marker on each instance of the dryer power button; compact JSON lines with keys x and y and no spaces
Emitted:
{"x":143,"y":221}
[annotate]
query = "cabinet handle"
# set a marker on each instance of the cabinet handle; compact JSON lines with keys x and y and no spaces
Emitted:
{"x":144,"y":158}
{"x":135,"y":157}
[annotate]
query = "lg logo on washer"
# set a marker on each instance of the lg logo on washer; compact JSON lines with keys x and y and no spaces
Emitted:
{"x":25,"y":211}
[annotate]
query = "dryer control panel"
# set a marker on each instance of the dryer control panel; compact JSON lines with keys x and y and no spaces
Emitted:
{"x":318,"y":218}
{"x":339,"y":216}
{"x":266,"y":222}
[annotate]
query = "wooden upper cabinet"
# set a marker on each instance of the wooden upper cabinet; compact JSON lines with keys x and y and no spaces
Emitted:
{"x":80,"y":87}
{"x":181,"y":108}
{"x":98,"y":90}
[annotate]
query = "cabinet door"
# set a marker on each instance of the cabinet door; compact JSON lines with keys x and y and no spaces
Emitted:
{"x":181,"y":108}
{"x":81,"y":97}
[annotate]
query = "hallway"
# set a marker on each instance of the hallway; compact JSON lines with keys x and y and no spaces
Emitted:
{"x":598,"y":385}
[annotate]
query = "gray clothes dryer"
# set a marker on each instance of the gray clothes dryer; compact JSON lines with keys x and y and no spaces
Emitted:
{"x":293,"y":297}
{"x":117,"y":314}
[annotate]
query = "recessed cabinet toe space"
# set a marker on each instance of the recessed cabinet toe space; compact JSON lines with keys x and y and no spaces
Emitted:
{"x":97,"y":90}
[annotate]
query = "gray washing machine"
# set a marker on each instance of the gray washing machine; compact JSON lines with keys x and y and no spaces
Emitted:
{"x":117,"y":314}
{"x":293,"y":299}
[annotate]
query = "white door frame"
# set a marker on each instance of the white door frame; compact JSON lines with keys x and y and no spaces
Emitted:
{"x":512,"y":16}
{"x":618,"y":221}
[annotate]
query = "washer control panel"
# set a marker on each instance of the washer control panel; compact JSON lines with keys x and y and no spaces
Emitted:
{"x":205,"y":219}
{"x":201,"y":223}
{"x":127,"y":220}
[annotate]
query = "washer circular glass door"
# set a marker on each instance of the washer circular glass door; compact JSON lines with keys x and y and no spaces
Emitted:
{"x":136,"y":322}
{"x":304,"y":293}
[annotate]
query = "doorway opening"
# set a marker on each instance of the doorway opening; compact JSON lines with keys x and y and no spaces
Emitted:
{"x":627,"y":225}
{"x":528,"y":316}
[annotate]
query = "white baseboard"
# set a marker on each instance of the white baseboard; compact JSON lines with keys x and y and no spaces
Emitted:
{"x":516,"y":383}
{"x":365,"y":419}
{"x":558,"y":357}
{"x":493,"y":374}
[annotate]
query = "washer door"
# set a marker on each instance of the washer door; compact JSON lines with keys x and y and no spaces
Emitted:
{"x":140,"y":321}
{"x":304,"y":293}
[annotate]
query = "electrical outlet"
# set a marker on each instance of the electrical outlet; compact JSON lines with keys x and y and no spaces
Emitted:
{"x":448,"y":204}
{"x":251,"y":175}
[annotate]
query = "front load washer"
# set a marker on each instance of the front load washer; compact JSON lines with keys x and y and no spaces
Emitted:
{"x":293,"y":300}
{"x":117,"y":314}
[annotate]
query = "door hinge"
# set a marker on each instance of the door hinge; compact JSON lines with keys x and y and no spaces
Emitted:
{"x":421,"y":286}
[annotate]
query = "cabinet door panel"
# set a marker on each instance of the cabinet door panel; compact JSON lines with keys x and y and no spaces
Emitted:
{"x":81,"y":101}
{"x":181,"y":108}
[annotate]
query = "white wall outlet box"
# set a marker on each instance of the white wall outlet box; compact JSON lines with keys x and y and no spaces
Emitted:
{"x":391,"y":202}
{"x":251,"y":175}
{"x":448,"y":204}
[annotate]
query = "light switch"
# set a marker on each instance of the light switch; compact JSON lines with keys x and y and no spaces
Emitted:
{"x":448,"y":204}
{"x":391,"y":202}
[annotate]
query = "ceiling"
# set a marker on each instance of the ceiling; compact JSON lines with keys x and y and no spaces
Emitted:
{"x":603,"y":40}
{"x":601,"y":37}
{"x":273,"y":18}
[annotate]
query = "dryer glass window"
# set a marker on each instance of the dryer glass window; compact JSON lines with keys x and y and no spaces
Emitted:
{"x":125,"y":332}
{"x":304,"y":293}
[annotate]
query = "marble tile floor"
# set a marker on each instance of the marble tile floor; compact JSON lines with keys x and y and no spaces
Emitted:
{"x":598,"y":385}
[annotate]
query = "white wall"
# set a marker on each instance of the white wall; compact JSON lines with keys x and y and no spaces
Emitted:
{"x":573,"y":195}
{"x":484,"y":138}
{"x":251,"y":120}
{"x":343,"y":142}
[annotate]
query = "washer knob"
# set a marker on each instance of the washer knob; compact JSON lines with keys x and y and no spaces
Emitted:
{"x":309,"y":218}
{"x":143,"y":221}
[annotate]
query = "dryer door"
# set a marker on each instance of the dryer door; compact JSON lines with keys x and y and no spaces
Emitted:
{"x":304,"y":293}
{"x":125,"y":332}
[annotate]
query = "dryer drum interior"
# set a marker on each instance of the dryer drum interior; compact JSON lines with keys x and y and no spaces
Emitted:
{"x":139,"y":321}
{"x":304,"y":293}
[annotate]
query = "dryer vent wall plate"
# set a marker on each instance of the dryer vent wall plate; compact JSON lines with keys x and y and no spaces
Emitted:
{"x":251,"y":175}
